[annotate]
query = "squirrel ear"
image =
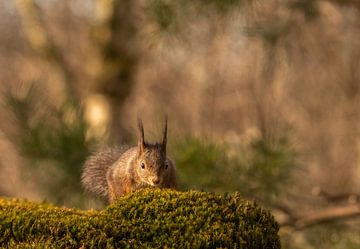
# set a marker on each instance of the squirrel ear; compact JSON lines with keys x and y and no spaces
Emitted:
{"x":165,"y":136}
{"x":141,"y":141}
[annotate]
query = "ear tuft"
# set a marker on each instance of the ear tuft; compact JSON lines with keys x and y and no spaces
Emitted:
{"x":165,"y":136}
{"x":141,"y":141}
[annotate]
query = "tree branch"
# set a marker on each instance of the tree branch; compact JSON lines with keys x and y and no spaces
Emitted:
{"x":318,"y":217}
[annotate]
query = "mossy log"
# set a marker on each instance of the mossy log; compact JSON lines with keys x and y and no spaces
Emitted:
{"x":150,"y":218}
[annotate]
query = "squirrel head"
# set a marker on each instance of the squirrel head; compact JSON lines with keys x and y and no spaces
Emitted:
{"x":153,"y":167}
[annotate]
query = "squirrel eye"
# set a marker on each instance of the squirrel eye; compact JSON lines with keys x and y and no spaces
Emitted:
{"x":166,"y":166}
{"x":142,"y":165}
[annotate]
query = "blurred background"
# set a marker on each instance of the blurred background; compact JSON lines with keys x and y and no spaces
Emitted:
{"x":262,"y":98}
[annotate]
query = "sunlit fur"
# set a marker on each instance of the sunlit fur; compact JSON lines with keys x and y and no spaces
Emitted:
{"x":157,"y":170}
{"x":117,"y":172}
{"x":126,"y":174}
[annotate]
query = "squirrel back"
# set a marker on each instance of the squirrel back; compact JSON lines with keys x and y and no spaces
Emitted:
{"x":96,"y":166}
{"x":115,"y":172}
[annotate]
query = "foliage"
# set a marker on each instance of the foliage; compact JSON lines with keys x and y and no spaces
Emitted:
{"x":260,"y":170}
{"x":150,"y":218}
{"x":269,"y":167}
{"x":52,"y":140}
{"x":200,"y":164}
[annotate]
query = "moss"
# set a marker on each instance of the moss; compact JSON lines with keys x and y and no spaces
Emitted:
{"x":150,"y":218}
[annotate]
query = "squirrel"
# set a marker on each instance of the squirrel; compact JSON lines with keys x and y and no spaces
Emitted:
{"x":115,"y":172}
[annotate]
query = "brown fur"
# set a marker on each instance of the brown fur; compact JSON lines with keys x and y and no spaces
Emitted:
{"x":117,"y":172}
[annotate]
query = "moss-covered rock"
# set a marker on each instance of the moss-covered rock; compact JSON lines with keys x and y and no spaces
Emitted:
{"x":150,"y":218}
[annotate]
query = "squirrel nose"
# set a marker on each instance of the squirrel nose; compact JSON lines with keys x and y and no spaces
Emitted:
{"x":156,"y":181}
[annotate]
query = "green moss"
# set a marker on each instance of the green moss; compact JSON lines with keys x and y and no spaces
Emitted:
{"x":150,"y":218}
